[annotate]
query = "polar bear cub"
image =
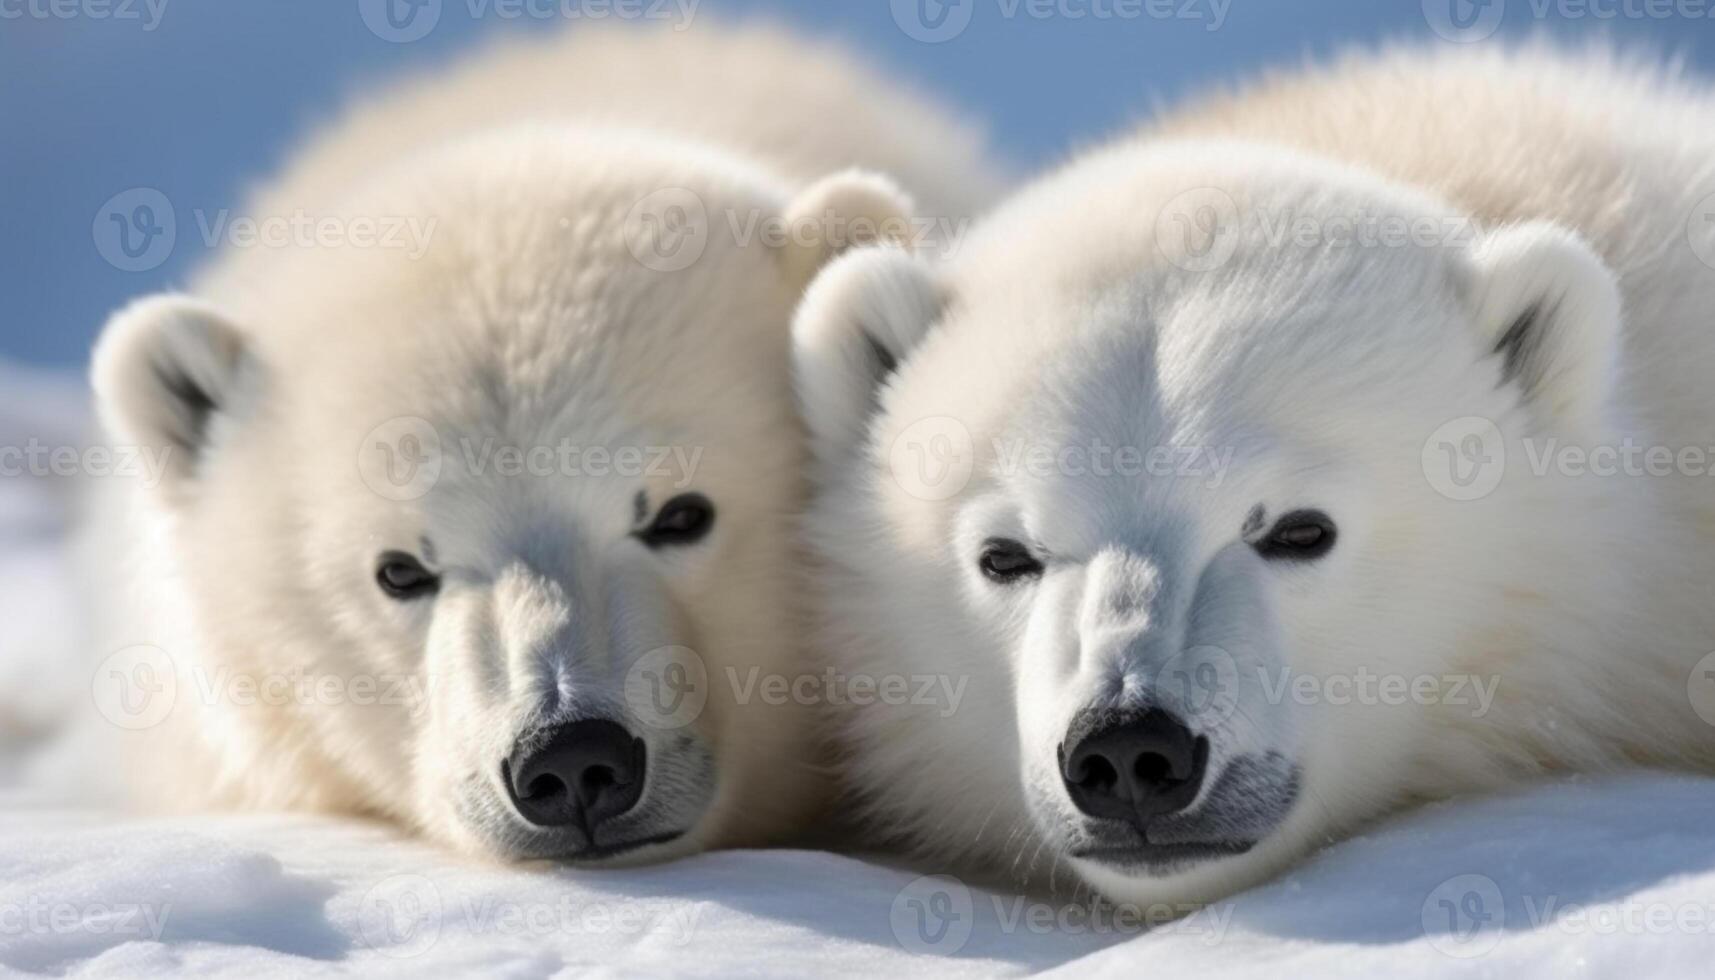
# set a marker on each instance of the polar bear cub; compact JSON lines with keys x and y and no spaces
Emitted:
{"x":1340,"y":444}
{"x":472,"y":535}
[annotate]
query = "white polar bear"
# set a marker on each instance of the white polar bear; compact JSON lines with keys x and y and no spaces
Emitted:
{"x":472,"y":534}
{"x":1271,"y":471}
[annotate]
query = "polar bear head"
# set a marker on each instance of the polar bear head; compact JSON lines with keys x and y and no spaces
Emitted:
{"x":507,"y":510}
{"x":1159,"y":463}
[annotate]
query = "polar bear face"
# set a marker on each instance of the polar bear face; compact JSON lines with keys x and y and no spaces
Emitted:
{"x":1161,"y":485}
{"x":527,"y":489}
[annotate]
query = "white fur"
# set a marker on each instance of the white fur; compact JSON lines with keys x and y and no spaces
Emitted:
{"x":526,"y":321}
{"x":1079,"y":312}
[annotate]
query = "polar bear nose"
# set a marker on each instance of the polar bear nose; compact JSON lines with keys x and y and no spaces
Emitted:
{"x":577,"y":774}
{"x":1135,"y":768}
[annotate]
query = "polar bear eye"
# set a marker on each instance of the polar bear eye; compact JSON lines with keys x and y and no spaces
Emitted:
{"x":1006,"y":561}
{"x":403,"y":577}
{"x":1303,"y":535}
{"x":686,"y":519}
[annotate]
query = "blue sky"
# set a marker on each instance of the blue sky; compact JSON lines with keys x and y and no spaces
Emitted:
{"x":194,"y":98}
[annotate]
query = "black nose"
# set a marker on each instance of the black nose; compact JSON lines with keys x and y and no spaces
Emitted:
{"x":1134,"y":768}
{"x":576,"y":774}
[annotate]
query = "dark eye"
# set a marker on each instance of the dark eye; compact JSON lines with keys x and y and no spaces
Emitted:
{"x":404,"y":577}
{"x":1303,"y":535}
{"x":686,"y":519}
{"x":1007,"y":562}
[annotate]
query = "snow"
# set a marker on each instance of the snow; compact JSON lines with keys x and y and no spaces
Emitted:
{"x":1593,"y":877}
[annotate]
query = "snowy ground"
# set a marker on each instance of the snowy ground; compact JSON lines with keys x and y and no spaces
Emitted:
{"x":1604,"y":879}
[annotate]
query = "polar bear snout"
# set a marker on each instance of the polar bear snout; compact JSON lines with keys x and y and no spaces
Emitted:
{"x":577,"y":775}
{"x":1134,"y":768}
{"x":1162,"y":750}
{"x":578,"y":715}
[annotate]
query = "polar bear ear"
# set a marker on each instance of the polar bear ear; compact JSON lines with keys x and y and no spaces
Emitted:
{"x":1550,"y":310}
{"x":857,"y":323}
{"x":845,"y":210}
{"x":164,"y":369}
